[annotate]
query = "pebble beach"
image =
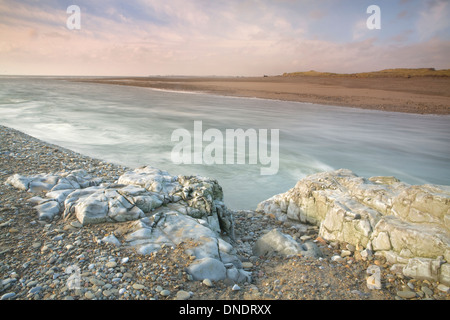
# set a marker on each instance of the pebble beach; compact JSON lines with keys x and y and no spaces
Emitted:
{"x":38,"y":257}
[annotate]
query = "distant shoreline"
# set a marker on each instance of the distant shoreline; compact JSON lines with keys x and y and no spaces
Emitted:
{"x":418,"y":95}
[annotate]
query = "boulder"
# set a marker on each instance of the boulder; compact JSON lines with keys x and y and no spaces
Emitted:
{"x":47,"y":210}
{"x":280,"y":243}
{"x":208,"y":268}
{"x":394,"y":219}
{"x":169,"y":227}
{"x":200,"y":197}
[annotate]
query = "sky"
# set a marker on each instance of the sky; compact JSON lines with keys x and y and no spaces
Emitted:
{"x":220,"y":37}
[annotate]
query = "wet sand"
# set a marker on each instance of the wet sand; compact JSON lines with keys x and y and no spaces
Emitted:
{"x":421,"y":95}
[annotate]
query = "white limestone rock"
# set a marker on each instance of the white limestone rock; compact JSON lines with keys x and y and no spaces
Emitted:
{"x":167,"y":227}
{"x":396,"y":220}
{"x":207,"y":268}
{"x":111,"y":239}
{"x":167,"y":210}
{"x":48,"y":210}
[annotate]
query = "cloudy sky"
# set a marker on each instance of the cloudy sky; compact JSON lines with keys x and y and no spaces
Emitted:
{"x":221,"y":37}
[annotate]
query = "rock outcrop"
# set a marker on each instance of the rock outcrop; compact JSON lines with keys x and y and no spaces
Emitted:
{"x":408,"y":225}
{"x":167,"y":210}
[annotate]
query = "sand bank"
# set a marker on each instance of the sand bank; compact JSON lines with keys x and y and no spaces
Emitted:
{"x":421,"y":95}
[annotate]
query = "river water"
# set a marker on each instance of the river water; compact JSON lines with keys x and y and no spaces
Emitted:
{"x":133,"y":126}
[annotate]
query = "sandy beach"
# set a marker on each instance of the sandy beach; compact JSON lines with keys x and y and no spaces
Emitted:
{"x":420,"y":95}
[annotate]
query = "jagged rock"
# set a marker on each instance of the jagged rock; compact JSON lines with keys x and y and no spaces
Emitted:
{"x":277,"y":242}
{"x":169,"y":227}
{"x":167,"y":210}
{"x":408,"y":240}
{"x":52,"y":182}
{"x":392,"y":218}
{"x":197,"y":196}
{"x":48,"y":210}
{"x":137,"y":193}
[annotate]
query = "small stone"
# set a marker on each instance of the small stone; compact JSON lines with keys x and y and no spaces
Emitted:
{"x":406,"y":294}
{"x":111,"y":239}
{"x":13,"y":230}
{"x":36,"y":245}
{"x":89,"y":295}
{"x":138,"y":286}
{"x":366,"y":254}
{"x":337,"y":258}
{"x":124,"y":260}
{"x":97,"y":282}
{"x":76,"y":224}
{"x":122,"y":291}
{"x":207,"y":282}
{"x":165,"y":293}
{"x":36,"y":289}
{"x":427,"y":291}
{"x":111,"y":264}
{"x":68,"y":228}
{"x":183,"y":295}
{"x":107,"y":293}
{"x":351,"y":247}
{"x":236,"y":288}
{"x":52,"y":260}
{"x":321,"y":241}
{"x":127,"y":275}
{"x":345,"y":253}
{"x":8,"y":295}
{"x":247,"y":265}
{"x":443,"y":288}
{"x":32,"y":283}
{"x":107,"y":286}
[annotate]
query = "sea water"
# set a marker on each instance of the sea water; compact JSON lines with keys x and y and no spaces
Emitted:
{"x":132,"y":126}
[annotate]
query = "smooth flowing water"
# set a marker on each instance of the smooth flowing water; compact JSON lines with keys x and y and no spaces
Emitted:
{"x":133,"y":126}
